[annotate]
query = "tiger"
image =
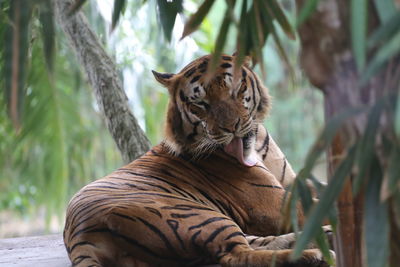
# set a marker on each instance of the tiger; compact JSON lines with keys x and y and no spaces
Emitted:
{"x":210,"y":193}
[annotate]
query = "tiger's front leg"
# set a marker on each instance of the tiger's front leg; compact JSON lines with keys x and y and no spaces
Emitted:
{"x":286,"y":241}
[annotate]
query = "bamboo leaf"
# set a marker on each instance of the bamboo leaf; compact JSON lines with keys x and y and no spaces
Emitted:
{"x":359,"y":31}
{"x":322,"y":243}
{"x":220,"y":42}
{"x":195,"y":20}
{"x":46,"y":18}
{"x":376,"y":221}
{"x":118,"y":9}
{"x":305,"y":195}
{"x":385,"y":53}
{"x":321,"y":210}
{"x":388,"y":29}
{"x":167,"y":12}
{"x":271,"y":28}
{"x":385,"y":8}
{"x":257,"y":35}
{"x":366,"y":148}
{"x":16,"y":44}
{"x":76,"y":6}
{"x":393,"y":170}
{"x":242,"y":48}
{"x":281,"y":18}
{"x":306,"y":10}
{"x":325,"y":138}
{"x":397,"y":117}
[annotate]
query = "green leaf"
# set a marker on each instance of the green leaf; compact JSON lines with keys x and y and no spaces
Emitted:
{"x":243,"y":40}
{"x":385,"y":31}
{"x":306,"y":10}
{"x":322,"y":242}
{"x":257,"y":35}
{"x":366,"y":148}
{"x":325,"y":139}
{"x":376,"y":221}
{"x":221,"y":39}
{"x":271,"y":28}
{"x":385,"y":8}
{"x":305,"y":195}
{"x":76,"y":6}
{"x":397,"y":117}
{"x":118,"y":9}
{"x":359,"y":31}
{"x":16,"y":44}
{"x":321,"y":210}
{"x":46,"y":18}
{"x":385,"y":53}
{"x":277,"y":12}
{"x":393,"y":170}
{"x":196,"y":19}
{"x":167,"y":12}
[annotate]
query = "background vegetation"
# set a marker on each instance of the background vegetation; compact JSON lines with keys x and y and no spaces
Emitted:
{"x":61,"y":142}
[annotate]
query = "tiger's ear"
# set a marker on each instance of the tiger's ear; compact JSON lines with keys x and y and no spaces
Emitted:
{"x":163,"y":78}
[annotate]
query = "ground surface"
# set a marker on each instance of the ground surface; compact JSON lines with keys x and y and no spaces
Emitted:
{"x":41,"y":251}
{"x":37,"y":251}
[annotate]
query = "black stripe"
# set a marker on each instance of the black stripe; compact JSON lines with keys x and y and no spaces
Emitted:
{"x":254,"y":95}
{"x":283,"y":171}
{"x":226,"y":65}
{"x":259,"y":93}
{"x":234,"y":234}
{"x":155,"y":211}
{"x":183,"y":216}
{"x":174,"y":226}
{"x":216,"y":233}
{"x":208,"y":221}
{"x":195,"y":79}
{"x":193,"y":239}
{"x":182,"y":97}
{"x":266,"y":185}
{"x":79,"y":259}
{"x":190,"y":72}
{"x":185,"y":207}
{"x":227,"y":73}
{"x":159,"y":233}
{"x":124,"y":216}
{"x":252,"y":241}
{"x":203,"y":66}
{"x":232,"y":245}
{"x":265,"y":144}
{"x":83,"y":243}
{"x":227,"y":58}
{"x":244,"y":74}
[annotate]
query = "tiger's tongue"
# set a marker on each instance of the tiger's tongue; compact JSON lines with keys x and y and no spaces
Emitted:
{"x":235,"y":149}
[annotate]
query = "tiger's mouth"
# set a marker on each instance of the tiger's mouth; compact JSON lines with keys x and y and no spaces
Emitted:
{"x":241,"y":149}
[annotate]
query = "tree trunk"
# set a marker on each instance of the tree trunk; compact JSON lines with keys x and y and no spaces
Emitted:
{"x":327,"y":60}
{"x":103,"y":77}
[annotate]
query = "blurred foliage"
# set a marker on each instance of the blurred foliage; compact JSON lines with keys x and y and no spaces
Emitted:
{"x":60,"y":142}
{"x":53,"y":141}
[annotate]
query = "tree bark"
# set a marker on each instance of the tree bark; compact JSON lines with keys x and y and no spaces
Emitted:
{"x":103,"y":78}
{"x":327,"y":60}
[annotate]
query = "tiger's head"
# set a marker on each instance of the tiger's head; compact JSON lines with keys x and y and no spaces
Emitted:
{"x":205,"y":113}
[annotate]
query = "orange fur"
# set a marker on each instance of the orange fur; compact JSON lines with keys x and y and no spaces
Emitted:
{"x":188,"y":202}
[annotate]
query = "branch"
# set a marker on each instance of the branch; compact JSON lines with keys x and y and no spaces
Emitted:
{"x":103,"y":78}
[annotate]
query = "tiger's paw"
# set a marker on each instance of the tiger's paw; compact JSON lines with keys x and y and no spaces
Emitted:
{"x":311,"y":258}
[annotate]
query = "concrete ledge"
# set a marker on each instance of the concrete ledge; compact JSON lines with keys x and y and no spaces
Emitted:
{"x":38,"y":251}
